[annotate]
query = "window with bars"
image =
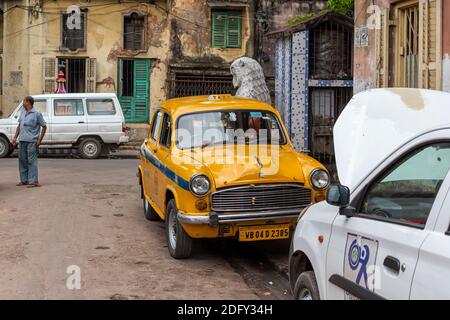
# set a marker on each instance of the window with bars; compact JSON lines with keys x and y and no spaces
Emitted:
{"x":226,"y":28}
{"x":73,"y":35}
{"x":134,"y":27}
{"x":187,"y":84}
{"x":409,"y":46}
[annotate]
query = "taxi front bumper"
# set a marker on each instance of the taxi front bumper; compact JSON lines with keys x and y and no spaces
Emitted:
{"x":215,"y":219}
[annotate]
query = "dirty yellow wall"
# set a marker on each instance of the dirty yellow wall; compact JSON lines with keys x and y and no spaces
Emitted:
{"x":176,"y":34}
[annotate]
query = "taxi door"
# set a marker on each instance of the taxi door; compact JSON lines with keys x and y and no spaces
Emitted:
{"x":373,"y":254}
{"x":151,"y":167}
{"x":163,"y":154}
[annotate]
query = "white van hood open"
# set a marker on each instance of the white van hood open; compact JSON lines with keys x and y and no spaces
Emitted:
{"x":377,"y":122}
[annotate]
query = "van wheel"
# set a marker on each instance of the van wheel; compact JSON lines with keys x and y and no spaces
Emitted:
{"x":90,"y":148}
{"x":4,"y":147}
{"x":306,"y":287}
{"x":149,"y":213}
{"x":178,"y":241}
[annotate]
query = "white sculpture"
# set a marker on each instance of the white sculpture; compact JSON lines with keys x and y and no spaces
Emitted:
{"x":248,"y":77}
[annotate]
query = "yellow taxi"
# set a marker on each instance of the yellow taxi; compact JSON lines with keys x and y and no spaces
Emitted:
{"x":223,"y":166}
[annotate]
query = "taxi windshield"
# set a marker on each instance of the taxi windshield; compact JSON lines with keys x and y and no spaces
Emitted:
{"x":203,"y":129}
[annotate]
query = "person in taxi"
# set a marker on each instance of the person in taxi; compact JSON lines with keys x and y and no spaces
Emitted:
{"x":223,"y":166}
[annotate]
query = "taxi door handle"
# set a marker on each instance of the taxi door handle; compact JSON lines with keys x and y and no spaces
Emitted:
{"x":392,"y":263}
{"x":80,"y":121}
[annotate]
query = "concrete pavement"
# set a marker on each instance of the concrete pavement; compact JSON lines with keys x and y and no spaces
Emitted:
{"x":88,"y":214}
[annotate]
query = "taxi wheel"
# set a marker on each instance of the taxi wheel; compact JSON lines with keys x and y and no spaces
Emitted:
{"x":178,"y":241}
{"x":306,"y":287}
{"x":149,"y":213}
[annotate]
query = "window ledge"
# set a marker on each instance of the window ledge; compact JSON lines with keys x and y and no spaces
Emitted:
{"x":227,"y":4}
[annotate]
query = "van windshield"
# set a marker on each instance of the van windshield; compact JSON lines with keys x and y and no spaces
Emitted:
{"x":203,"y":129}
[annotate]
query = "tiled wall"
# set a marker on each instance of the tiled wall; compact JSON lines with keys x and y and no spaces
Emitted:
{"x":291,"y":86}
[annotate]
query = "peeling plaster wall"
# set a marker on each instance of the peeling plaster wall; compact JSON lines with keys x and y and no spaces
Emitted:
{"x":191,"y":34}
{"x":365,"y":58}
{"x":16,"y":52}
{"x":365,"y":68}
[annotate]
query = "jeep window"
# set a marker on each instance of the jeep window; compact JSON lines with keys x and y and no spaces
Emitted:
{"x":39,"y":105}
{"x":69,"y":107}
{"x":100,"y":107}
{"x":406,"y":193}
{"x":228,"y":127}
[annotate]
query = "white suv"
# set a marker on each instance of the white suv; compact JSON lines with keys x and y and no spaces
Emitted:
{"x":87,"y":121}
{"x":384,"y":231}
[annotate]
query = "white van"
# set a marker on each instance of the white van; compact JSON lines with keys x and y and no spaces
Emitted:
{"x":90,"y":122}
{"x":384,"y":232}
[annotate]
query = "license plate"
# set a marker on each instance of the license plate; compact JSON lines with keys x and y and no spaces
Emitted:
{"x":258,"y":233}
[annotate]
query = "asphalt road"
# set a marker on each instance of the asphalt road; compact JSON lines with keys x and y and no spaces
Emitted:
{"x":87,"y":217}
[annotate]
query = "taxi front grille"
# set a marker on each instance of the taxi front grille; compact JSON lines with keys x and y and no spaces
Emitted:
{"x":261,"y":198}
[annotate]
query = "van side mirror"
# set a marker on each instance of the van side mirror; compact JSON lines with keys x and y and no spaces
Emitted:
{"x":338,"y":196}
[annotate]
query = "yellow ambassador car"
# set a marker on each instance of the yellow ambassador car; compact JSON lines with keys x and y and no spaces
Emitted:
{"x":222,"y":166}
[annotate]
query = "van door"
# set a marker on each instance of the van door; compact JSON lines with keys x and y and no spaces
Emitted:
{"x":432,"y":276}
{"x":69,"y":120}
{"x":374,"y":254}
{"x":104,"y":119}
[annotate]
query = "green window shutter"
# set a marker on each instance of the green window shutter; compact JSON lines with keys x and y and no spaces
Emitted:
{"x":219,"y":29}
{"x":141,"y":89}
{"x":234,"y":29}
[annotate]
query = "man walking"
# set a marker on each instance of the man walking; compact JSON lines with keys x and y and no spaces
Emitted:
{"x":30,"y":138}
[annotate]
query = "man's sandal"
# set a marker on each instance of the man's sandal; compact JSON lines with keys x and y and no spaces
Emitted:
{"x":34,"y":185}
{"x":20,"y":184}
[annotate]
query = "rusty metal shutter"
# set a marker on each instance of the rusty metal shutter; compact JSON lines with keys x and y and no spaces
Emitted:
{"x":49,"y":71}
{"x":430,"y":57}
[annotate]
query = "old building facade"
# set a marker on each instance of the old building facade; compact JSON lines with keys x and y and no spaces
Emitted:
{"x":145,"y":51}
{"x":402,"y":43}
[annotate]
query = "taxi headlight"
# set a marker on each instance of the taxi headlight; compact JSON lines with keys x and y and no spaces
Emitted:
{"x":320,"y":179}
{"x":200,"y":185}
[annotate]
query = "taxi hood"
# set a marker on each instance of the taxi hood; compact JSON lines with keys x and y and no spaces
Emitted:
{"x":377,"y":122}
{"x":283,"y":166}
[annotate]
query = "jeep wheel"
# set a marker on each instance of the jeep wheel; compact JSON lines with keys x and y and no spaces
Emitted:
{"x":178,"y":241}
{"x":306,"y":287}
{"x":4,"y":147}
{"x":149,"y":213}
{"x":90,"y":148}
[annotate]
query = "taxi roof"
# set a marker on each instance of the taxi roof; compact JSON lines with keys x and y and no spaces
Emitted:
{"x":212,"y":102}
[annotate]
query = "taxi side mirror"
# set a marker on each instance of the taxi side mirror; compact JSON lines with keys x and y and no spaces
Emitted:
{"x":338,"y":196}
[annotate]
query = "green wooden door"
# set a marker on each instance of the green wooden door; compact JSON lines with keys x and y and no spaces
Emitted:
{"x":135,"y":98}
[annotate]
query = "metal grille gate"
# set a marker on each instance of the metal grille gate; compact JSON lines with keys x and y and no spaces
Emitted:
{"x":326,"y":106}
{"x":199,"y":83}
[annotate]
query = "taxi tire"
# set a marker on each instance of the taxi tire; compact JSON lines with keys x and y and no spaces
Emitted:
{"x":150,"y":213}
{"x":183,"y":247}
{"x":307,"y":280}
